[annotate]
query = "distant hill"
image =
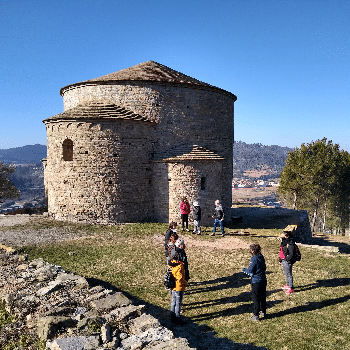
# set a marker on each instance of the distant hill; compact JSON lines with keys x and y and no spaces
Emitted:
{"x":31,"y":154}
{"x":257,"y":156}
{"x":30,"y":173}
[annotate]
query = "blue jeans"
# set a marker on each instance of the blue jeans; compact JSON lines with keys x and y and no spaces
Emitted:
{"x":176,"y":302}
{"x":221,"y":224}
{"x":287,"y":269}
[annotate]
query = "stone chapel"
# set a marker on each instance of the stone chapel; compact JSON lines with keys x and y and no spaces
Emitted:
{"x":129,"y":145}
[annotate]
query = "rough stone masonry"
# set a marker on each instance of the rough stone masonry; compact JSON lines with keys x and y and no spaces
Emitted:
{"x":62,"y":309}
{"x":129,"y":145}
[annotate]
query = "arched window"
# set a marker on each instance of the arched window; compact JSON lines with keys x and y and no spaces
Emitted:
{"x":67,"y":150}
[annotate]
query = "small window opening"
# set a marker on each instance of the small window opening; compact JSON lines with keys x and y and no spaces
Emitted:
{"x":86,"y":152}
{"x":67,"y":150}
{"x":203,"y":180}
{"x":110,"y":182}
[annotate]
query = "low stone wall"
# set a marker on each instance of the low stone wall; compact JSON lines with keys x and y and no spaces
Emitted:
{"x":62,"y":309}
{"x":257,"y":217}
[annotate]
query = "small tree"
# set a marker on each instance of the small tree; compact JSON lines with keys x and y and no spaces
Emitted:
{"x":7,"y":188}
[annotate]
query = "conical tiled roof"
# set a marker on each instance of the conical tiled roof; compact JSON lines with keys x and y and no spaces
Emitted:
{"x":98,"y":110}
{"x":191,"y":153}
{"x":152,"y":72}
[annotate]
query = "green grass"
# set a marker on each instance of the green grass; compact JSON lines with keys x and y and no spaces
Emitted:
{"x":316,"y":316}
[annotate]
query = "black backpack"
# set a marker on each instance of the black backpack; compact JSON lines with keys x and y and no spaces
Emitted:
{"x":169,"y":280}
{"x":297,"y":254}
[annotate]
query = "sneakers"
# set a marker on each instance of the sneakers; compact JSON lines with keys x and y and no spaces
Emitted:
{"x":289,"y":290}
{"x":194,"y":232}
{"x":263,"y":315}
{"x":285,"y":287}
{"x":212,"y":234}
{"x":254,"y":318}
{"x":198,"y":233}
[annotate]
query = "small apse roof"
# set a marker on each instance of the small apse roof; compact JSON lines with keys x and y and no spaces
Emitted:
{"x":191,"y":154}
{"x":151,"y":72}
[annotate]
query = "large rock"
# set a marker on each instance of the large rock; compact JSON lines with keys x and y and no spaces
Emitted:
{"x":66,"y":278}
{"x":178,"y":344}
{"x":124,"y":313}
{"x":48,"y":326}
{"x":153,"y":334}
{"x":75,"y":343}
{"x":110,"y":302}
{"x":142,"y":324}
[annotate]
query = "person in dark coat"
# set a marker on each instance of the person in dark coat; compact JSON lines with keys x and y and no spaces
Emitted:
{"x":170,"y":237}
{"x":257,"y":271}
{"x":287,"y":259}
{"x":197,"y":216}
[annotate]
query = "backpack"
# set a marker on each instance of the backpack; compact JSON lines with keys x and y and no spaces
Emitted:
{"x":297,"y":254}
{"x":169,"y":280}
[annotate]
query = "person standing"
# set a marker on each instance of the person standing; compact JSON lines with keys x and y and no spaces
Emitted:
{"x":180,"y":250}
{"x":185,"y":210}
{"x":218,"y":218}
{"x":197,"y":215}
{"x":170,"y":237}
{"x":257,"y":271}
{"x":287,"y":259}
{"x":177,"y":268}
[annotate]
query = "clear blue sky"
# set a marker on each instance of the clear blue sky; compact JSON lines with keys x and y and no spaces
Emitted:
{"x":287,"y":61}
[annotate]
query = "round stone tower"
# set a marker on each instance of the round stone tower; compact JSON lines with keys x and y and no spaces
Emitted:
{"x":129,"y":145}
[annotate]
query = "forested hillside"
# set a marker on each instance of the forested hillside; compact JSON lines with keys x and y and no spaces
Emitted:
{"x":257,"y":156}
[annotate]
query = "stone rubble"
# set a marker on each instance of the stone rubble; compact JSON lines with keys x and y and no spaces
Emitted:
{"x":62,"y":309}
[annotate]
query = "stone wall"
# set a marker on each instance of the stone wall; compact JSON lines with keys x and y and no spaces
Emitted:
{"x":122,"y":188}
{"x":109,"y":175}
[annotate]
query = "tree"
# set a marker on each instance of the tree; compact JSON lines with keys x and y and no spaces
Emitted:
{"x":294,"y":177}
{"x":317,"y":175}
{"x":7,"y":188}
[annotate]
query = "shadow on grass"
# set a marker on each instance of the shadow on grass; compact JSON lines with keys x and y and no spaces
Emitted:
{"x":344,"y":248}
{"x":201,"y":337}
{"x":310,"y":306}
{"x":236,"y":280}
{"x":332,"y":282}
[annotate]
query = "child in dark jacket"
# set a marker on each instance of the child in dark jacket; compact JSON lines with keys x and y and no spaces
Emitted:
{"x":257,"y":271}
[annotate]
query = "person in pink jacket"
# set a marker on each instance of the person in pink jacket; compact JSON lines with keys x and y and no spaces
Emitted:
{"x":185,"y":210}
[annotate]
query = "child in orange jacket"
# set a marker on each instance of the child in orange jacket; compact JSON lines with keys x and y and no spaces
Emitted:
{"x":177,"y":268}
